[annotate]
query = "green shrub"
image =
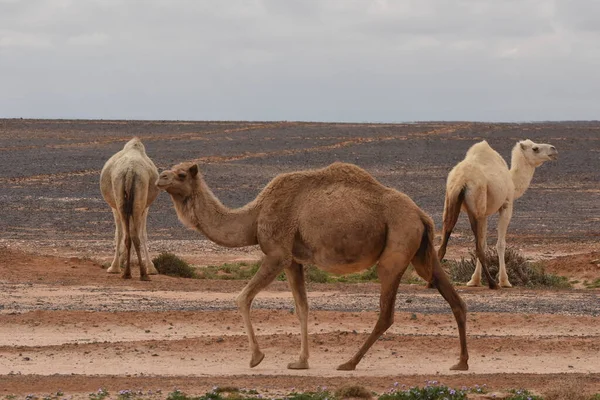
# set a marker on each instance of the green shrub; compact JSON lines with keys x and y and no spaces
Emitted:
{"x":521,"y":272}
{"x":170,"y":264}
{"x":432,"y":391}
{"x":354,"y":392}
{"x":522,"y":394}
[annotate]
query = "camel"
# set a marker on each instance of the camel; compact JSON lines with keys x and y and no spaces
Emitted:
{"x":127,"y":183}
{"x":339,"y":218}
{"x":482,"y":185}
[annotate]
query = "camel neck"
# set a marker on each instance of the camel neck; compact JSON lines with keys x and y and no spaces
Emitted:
{"x":521,"y":172}
{"x":222,"y":225}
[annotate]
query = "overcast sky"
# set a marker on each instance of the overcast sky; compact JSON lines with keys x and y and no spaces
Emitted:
{"x":310,"y":60}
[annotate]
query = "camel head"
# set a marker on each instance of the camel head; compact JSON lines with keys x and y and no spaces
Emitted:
{"x":537,"y":153}
{"x":180,"y":180}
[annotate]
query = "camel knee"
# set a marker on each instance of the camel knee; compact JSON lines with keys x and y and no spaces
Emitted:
{"x":243,"y":302}
{"x":501,"y":246}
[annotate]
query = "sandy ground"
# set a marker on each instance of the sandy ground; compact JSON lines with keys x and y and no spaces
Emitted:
{"x":64,"y":320}
{"x":66,"y":325}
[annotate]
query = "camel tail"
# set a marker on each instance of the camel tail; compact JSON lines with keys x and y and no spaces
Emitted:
{"x":452,"y":206}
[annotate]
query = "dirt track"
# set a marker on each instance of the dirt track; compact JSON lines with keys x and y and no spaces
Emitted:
{"x":66,"y":324}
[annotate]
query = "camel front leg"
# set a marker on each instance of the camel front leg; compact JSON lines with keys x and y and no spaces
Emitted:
{"x":479,"y":227}
{"x":269,"y":268}
{"x":295,"y":277}
{"x":503,"y":221}
{"x":115,"y":267}
{"x":144,"y":236}
{"x":390,"y":272}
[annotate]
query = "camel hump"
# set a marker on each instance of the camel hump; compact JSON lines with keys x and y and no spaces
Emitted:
{"x":135,"y":144}
{"x":482,"y":154}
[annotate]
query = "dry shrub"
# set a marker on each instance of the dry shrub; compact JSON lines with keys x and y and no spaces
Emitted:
{"x":521,"y":272}
{"x":170,"y":264}
{"x":353,"y":392}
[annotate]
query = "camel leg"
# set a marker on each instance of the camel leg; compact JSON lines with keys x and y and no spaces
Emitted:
{"x":295,"y":277}
{"x":459,"y":309}
{"x":479,"y":227}
{"x":136,"y":232}
{"x":389,"y":271}
{"x":127,"y":273}
{"x":115,"y":267}
{"x":270,"y":267}
{"x":144,"y":236}
{"x":503,"y":221}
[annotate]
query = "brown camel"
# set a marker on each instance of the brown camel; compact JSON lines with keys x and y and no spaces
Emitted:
{"x":128,"y":184}
{"x":338,"y":218}
{"x":482,"y":185}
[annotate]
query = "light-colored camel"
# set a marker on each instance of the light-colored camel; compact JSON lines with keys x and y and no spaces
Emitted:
{"x":482,"y":185}
{"x":338,"y":218}
{"x":128,"y":184}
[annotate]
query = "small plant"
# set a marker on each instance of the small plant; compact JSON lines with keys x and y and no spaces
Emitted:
{"x":521,"y":272}
{"x":125,"y":394}
{"x":320,"y":394}
{"x":355,"y":392}
{"x":521,"y":394}
{"x":432,"y":391}
{"x":170,"y":264}
{"x":99,"y":395}
{"x":592,"y":285}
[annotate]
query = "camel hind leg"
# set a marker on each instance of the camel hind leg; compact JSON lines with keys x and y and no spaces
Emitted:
{"x":144,"y":237}
{"x":428,"y":267}
{"x":295,"y":276}
{"x":389,"y":270}
{"x":135,"y":233}
{"x":479,"y":227}
{"x":503,"y":221}
{"x":269,"y":268}
{"x":115,"y":266}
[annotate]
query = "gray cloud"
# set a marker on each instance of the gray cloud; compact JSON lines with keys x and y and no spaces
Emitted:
{"x":333,"y":60}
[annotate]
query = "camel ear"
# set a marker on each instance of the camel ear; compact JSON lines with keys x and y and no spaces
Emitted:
{"x":523,"y":147}
{"x":194,"y":170}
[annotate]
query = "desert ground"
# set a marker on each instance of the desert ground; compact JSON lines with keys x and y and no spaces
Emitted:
{"x":65,"y":324}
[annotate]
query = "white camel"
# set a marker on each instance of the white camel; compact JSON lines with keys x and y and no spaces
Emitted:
{"x":482,"y":185}
{"x":128,"y":184}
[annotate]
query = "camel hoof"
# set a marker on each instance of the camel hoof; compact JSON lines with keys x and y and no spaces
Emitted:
{"x":348,"y":366}
{"x":145,"y":278}
{"x":126,"y":276}
{"x":114,"y":270}
{"x":256,"y":359}
{"x":473,"y":283}
{"x":461,"y":366}
{"x":298,"y":365}
{"x":505,"y":284}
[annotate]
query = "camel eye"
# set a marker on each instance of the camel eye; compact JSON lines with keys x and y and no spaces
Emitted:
{"x":181,"y":175}
{"x":536,"y":149}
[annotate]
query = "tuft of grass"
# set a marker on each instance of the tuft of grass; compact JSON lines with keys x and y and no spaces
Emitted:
{"x":99,"y":395}
{"x":521,"y":272}
{"x":432,"y":391}
{"x":320,"y":394}
{"x":522,"y":394}
{"x":169,"y":264}
{"x":354,"y":391}
{"x":592,"y":285}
